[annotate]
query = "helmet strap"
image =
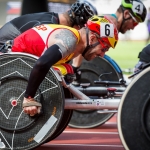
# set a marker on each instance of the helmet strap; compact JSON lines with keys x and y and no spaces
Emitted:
{"x":88,"y":46}
{"x":124,"y":20}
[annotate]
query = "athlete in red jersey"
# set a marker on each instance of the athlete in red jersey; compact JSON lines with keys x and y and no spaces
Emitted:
{"x":56,"y":44}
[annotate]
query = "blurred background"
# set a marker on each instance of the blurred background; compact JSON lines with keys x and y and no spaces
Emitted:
{"x":130,"y":44}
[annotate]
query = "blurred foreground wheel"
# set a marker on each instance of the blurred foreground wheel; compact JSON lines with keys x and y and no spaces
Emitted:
{"x":134,"y":113}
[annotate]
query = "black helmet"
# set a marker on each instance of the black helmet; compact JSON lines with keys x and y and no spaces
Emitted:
{"x":91,"y":6}
{"x":79,"y":13}
{"x":136,"y":7}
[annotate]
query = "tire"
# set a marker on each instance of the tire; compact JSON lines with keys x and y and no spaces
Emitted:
{"x":134,"y":113}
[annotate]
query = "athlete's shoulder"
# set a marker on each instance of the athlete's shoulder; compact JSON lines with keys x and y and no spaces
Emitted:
{"x":36,"y":16}
{"x":27,"y":21}
{"x":63,"y":27}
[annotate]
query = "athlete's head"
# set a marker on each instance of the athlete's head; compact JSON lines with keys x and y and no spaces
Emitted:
{"x":106,"y":31}
{"x":105,"y":35}
{"x":133,"y":12}
{"x":80,"y":12}
{"x":136,"y":8}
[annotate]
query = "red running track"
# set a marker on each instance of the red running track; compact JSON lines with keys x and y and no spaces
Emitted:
{"x":104,"y":137}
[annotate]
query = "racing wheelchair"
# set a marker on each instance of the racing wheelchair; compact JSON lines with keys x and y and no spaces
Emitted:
{"x":20,"y":131}
{"x":106,"y":72}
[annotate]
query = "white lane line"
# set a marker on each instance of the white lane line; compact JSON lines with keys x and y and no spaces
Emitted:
{"x":111,"y":123}
{"x":96,"y":132}
{"x":92,"y":145}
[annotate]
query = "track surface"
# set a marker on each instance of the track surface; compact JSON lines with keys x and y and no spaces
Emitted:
{"x":104,"y":137}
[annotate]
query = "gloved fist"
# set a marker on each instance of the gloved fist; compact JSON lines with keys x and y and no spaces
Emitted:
{"x":139,"y":66}
{"x":69,"y":78}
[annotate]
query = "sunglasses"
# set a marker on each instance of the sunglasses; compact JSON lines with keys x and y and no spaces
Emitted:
{"x":104,"y":45}
{"x":135,"y":20}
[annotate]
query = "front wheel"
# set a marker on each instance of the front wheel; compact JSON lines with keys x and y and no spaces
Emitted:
{"x":17,"y":129}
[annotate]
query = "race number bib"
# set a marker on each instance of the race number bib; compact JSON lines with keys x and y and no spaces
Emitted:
{"x":137,"y":7}
{"x":107,"y":30}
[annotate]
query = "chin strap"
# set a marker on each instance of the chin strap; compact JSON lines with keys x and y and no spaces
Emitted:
{"x":88,"y":46}
{"x":123,"y":21}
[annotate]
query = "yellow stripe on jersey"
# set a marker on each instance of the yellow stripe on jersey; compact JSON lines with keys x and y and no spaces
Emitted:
{"x":67,"y":58}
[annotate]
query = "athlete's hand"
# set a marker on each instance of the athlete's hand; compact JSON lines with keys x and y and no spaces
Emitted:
{"x":69,"y":78}
{"x":139,"y":66}
{"x":31,"y":107}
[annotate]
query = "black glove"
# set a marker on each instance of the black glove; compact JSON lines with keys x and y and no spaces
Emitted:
{"x":77,"y":72}
{"x":69,"y":78}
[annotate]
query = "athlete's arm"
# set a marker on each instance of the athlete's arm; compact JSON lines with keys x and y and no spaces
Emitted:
{"x":65,"y":44}
{"x":28,"y":21}
{"x":40,"y":69}
{"x":77,"y":61}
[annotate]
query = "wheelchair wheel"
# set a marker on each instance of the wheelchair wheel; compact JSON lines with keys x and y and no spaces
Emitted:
{"x":18,"y":130}
{"x":90,"y":72}
{"x":134,"y":113}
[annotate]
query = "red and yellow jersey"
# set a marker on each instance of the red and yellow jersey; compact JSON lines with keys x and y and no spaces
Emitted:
{"x":35,"y":40}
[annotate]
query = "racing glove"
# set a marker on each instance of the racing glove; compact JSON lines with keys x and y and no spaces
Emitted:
{"x":77,"y":72}
{"x":69,"y":78}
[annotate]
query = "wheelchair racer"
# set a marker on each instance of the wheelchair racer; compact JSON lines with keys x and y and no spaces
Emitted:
{"x":76,"y":17}
{"x":57,"y":44}
{"x":129,"y":14}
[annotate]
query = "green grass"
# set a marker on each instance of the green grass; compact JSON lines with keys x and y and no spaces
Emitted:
{"x":126,"y":53}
